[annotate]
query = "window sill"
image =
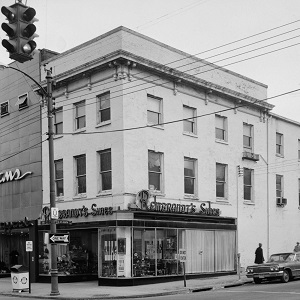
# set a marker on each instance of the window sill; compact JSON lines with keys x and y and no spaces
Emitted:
{"x":104,"y":193}
{"x":4,"y":115}
{"x":279,"y":155}
{"x":156,"y":126}
{"x":190,"y":134}
{"x":103,"y":124}
{"x":59,"y":199}
{"x":221,"y":142}
{"x":222,"y":200}
{"x":188,"y":196}
{"x":249,"y":202}
{"x":79,"y":196}
{"x":79,"y":131}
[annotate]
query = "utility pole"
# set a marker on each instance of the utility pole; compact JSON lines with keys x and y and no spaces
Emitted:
{"x":54,"y":271}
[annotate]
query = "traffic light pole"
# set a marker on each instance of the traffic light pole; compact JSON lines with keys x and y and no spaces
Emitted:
{"x":54,"y":271}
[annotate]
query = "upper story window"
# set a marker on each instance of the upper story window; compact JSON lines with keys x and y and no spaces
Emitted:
{"x":279,"y":144}
{"x":59,"y":178}
{"x":248,"y":137}
{"x":23,"y":101}
{"x":58,"y":121}
{"x":248,"y":184}
{"x":221,"y":128}
{"x":298,"y":149}
{"x":4,"y":108}
{"x":221,"y":180}
{"x":189,"y":122}
{"x":105,"y":170}
{"x":103,"y":107}
{"x":79,"y":115}
{"x":299,"y":192}
{"x":279,"y":186}
{"x":154,"y":110}
{"x":80,"y":175}
{"x":155,"y":170}
{"x":189,"y":176}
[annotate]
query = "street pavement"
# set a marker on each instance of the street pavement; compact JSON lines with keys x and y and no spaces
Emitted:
{"x":90,"y":289}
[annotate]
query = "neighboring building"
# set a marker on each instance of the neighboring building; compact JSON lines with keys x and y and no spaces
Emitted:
{"x":20,"y":161}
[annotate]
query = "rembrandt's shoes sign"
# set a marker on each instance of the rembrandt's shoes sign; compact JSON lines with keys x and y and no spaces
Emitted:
{"x":12,"y":175}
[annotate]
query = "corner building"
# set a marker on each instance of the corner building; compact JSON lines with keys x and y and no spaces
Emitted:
{"x":158,"y":153}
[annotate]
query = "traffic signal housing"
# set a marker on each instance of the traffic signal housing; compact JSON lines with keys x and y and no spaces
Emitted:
{"x":20,"y":30}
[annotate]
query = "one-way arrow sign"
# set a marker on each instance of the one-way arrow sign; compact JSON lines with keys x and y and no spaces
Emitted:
{"x":59,"y":238}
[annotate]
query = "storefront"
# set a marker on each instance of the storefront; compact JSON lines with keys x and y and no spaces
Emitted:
{"x":140,"y":244}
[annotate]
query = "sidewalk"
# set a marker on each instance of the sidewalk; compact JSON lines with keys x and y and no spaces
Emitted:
{"x":91,"y":290}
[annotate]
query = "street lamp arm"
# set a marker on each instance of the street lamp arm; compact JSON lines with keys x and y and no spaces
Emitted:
{"x":9,"y":67}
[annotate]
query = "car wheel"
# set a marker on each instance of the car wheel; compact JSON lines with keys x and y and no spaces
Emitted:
{"x":285,"y":277}
{"x":257,"y":280}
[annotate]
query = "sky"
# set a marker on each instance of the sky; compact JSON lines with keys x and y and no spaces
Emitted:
{"x":259,"y":39}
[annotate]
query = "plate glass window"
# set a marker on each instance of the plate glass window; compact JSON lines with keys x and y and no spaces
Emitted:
{"x":248,"y":185}
{"x":189,"y":125}
{"x":104,"y":107}
{"x":189,"y":176}
{"x":58,"y":121}
{"x":80,"y":174}
{"x":59,"y":178}
{"x":220,"y":129}
{"x":4,"y":108}
{"x":154,"y":115}
{"x":79,"y":115}
{"x":155,"y":170}
{"x":105,"y":170}
{"x":221,"y":183}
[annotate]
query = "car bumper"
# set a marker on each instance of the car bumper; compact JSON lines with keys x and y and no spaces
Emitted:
{"x":265,"y":275}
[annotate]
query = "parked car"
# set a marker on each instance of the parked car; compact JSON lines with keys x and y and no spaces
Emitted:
{"x":283,"y":266}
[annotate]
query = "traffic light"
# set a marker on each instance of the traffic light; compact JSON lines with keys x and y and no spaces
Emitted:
{"x":20,"y":30}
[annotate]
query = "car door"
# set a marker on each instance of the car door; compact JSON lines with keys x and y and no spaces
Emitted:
{"x":297,"y":265}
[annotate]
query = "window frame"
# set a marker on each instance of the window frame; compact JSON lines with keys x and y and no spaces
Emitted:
{"x":78,"y":118}
{"x":281,"y":186}
{"x":192,"y":121}
{"x":298,"y":192}
{"x":299,"y":149}
{"x":100,"y":110}
{"x":79,"y":176}
{"x":159,"y":113}
{"x":60,"y":179}
{"x":103,"y":172}
{"x":250,"y":138}
{"x":224,"y":182}
{"x":223,"y":130}
{"x":157,"y":173}
{"x":5,"y":104}
{"x":58,"y":110}
{"x":190,"y":177}
{"x":22,"y":104}
{"x":279,"y":146}
{"x":251,"y":186}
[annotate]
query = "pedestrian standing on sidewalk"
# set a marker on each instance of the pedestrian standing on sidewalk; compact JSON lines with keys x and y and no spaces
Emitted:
{"x":259,"y":256}
{"x":297,"y":247}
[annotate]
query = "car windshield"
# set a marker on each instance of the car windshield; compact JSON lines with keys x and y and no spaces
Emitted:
{"x":282,"y":257}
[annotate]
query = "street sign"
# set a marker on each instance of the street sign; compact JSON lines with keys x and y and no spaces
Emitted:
{"x":182,"y":255}
{"x":59,"y":238}
{"x":54,"y":213}
{"x":29,"y":246}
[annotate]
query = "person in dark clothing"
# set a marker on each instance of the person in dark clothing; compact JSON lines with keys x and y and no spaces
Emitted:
{"x":259,"y":256}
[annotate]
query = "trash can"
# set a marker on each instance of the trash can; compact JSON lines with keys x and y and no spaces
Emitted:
{"x":19,"y":278}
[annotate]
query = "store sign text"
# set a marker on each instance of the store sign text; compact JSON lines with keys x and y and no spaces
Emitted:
{"x":10,"y":175}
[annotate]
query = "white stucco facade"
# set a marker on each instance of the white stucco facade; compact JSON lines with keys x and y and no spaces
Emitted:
{"x":146,"y":67}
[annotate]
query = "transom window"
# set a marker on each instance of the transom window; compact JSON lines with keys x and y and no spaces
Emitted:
{"x":59,"y":178}
{"x":58,"y":121}
{"x":189,"y":122}
{"x":221,"y":177}
{"x":279,"y":143}
{"x":221,"y":131}
{"x":104,"y":107}
{"x":248,"y":184}
{"x":79,"y":115}
{"x":247,"y":136}
{"x":154,"y":114}
{"x":80,"y":162}
{"x":189,"y":176}
{"x":155,"y":170}
{"x":105,"y":170}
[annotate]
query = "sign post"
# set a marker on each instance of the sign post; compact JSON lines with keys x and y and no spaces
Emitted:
{"x":182,"y":258}
{"x":29,"y":248}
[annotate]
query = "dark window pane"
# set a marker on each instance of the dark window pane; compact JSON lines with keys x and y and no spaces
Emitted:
{"x":220,"y":134}
{"x":81,"y":168}
{"x":81,"y":184}
{"x":106,"y":181}
{"x":247,"y":192}
{"x":153,"y":117}
{"x":154,"y":180}
{"x":105,"y":115}
{"x":154,"y":162}
{"x":80,"y":122}
{"x":59,"y":188}
{"x":220,"y":192}
{"x":105,"y":161}
{"x":189,"y":186}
